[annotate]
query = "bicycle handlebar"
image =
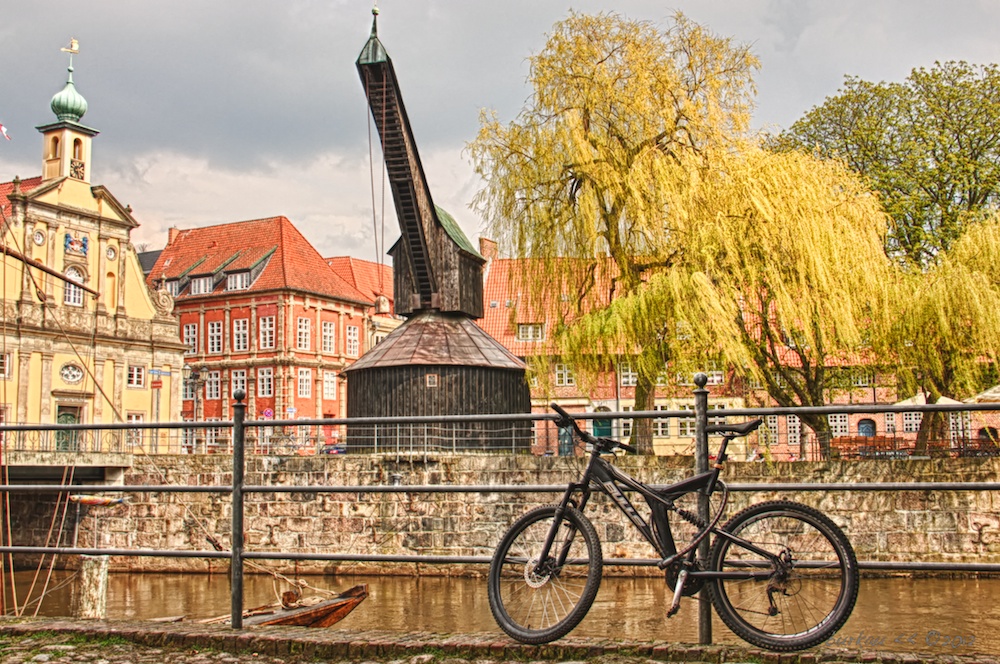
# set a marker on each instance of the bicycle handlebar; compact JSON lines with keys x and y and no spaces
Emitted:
{"x":608,"y":444}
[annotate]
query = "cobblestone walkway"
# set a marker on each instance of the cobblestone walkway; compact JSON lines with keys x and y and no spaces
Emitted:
{"x":95,"y":642}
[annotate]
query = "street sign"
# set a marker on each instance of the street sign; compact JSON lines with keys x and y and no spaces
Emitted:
{"x":268,"y":413}
{"x":158,"y":372}
{"x":156,"y":384}
{"x":290,"y":410}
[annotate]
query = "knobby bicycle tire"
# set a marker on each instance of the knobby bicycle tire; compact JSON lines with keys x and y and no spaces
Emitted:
{"x":788,"y":606}
{"x":538,"y":608}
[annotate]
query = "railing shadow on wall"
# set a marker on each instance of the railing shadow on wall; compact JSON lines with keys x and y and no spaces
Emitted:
{"x":239,"y":437}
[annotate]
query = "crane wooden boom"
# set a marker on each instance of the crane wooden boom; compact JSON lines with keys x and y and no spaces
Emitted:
{"x":434,"y":264}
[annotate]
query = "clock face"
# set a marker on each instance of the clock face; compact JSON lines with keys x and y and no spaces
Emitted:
{"x":111,"y":253}
{"x":39,"y":238}
{"x":71,"y":373}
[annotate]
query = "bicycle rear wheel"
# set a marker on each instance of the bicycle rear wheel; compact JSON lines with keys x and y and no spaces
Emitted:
{"x":537,"y":601}
{"x":797,"y":601}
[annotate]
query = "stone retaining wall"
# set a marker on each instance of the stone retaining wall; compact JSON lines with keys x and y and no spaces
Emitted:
{"x":917,"y":526}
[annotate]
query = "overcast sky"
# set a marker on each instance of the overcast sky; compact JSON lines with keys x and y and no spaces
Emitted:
{"x":224,"y":110}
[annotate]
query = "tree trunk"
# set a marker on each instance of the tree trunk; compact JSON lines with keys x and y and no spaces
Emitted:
{"x":642,"y":429}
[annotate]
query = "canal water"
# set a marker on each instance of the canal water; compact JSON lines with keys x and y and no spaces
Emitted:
{"x":939,"y":615}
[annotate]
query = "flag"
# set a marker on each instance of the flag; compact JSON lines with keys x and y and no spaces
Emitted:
{"x":3,"y":130}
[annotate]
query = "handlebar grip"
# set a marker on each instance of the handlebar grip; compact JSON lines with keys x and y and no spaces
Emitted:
{"x":565,"y":419}
{"x":628,"y":448}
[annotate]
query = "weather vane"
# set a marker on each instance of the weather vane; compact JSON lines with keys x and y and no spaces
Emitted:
{"x":72,"y":49}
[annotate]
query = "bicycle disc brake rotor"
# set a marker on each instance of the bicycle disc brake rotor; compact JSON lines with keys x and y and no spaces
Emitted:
{"x":532,"y":577}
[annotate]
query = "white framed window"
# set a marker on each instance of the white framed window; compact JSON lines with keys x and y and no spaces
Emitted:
{"x":890,"y":422}
{"x":911,"y":422}
{"x":303,"y":334}
{"x":174,"y":287}
{"x":862,"y":379}
{"x":329,"y":339}
{"x":187,"y":389}
{"x":191,"y":338}
{"x":265,"y":382}
{"x":793,"y":430}
{"x":718,"y":419}
{"x":136,"y":376}
{"x":134,"y":437}
{"x":530,"y":332}
{"x":564,"y":375}
{"x":305,"y":382}
{"x":5,"y":367}
{"x":201,"y":285}
{"x":241,"y":334}
{"x":715,"y":376}
{"x":266,"y":326}
{"x":353,"y":341}
{"x":769,"y":434}
{"x":329,"y":384}
{"x":238,"y":281}
{"x":237,"y":380}
{"x":625,"y":424}
{"x":839,"y":425}
{"x":686,"y":425}
{"x":213,"y":385}
{"x":73,"y":294}
{"x":187,"y":438}
{"x":215,"y":337}
{"x":960,"y":427}
{"x":661,"y":425}
{"x":627,"y":375}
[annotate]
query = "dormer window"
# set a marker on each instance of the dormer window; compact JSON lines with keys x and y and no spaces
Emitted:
{"x":174,"y":287}
{"x":238,"y":281}
{"x":201,"y":286}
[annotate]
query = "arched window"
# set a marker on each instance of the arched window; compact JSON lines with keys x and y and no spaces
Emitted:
{"x":602,"y":428}
{"x":77,"y":149}
{"x":866,"y":428}
{"x":73,"y":295}
{"x":54,"y":145}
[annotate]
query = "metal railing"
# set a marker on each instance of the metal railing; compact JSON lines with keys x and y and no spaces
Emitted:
{"x":241,"y":442}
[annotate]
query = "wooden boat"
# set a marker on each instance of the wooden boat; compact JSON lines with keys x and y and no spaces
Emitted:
{"x":322,"y":614}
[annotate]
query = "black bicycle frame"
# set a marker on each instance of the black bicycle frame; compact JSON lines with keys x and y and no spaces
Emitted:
{"x":602,"y":475}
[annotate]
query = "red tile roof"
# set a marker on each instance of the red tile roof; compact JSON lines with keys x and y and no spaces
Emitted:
{"x":292,"y":263}
{"x":372,"y":279}
{"x":507,"y":304}
{"x":26,"y":185}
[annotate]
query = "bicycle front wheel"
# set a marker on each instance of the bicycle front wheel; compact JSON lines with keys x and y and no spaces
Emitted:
{"x":538,"y":601}
{"x":797,"y":596}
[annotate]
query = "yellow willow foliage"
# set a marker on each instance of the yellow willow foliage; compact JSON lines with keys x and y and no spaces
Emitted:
{"x":947,"y":332}
{"x":617,"y":106}
{"x":779,"y":246}
{"x":798,"y":236}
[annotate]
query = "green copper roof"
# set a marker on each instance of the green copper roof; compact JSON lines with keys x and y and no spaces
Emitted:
{"x":454,"y":231}
{"x":373,"y":52}
{"x":68,"y":104}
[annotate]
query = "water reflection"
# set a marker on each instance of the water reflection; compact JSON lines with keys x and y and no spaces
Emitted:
{"x":932,"y":615}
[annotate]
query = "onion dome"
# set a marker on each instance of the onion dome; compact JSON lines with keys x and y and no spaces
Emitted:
{"x":68,"y":104}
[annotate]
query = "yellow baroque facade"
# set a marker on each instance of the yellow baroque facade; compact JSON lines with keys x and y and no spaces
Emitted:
{"x":83,"y":338}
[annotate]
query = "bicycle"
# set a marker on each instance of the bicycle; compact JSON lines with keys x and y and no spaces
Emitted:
{"x":781,"y":575}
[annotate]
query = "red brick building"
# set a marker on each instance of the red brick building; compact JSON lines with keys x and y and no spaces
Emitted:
{"x":261,"y":310}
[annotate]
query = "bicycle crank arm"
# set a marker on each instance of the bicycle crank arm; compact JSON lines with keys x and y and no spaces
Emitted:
{"x":678,"y":593}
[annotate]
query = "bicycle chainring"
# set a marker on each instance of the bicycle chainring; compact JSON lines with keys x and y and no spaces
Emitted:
{"x":691,"y":586}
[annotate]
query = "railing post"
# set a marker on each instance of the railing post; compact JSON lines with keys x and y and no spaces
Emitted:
{"x":236,"y":562}
{"x":701,"y":466}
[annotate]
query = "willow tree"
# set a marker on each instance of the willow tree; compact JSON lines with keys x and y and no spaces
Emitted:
{"x":782,"y":275}
{"x":577,"y":181}
{"x":946,"y":336}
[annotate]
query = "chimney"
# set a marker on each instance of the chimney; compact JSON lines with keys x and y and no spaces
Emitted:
{"x":172,"y":234}
{"x":487,"y":248}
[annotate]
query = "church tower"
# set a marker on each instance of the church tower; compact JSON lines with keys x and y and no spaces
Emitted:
{"x":66,"y":144}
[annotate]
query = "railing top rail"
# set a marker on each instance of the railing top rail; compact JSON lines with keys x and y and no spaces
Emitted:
{"x":516,"y":417}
